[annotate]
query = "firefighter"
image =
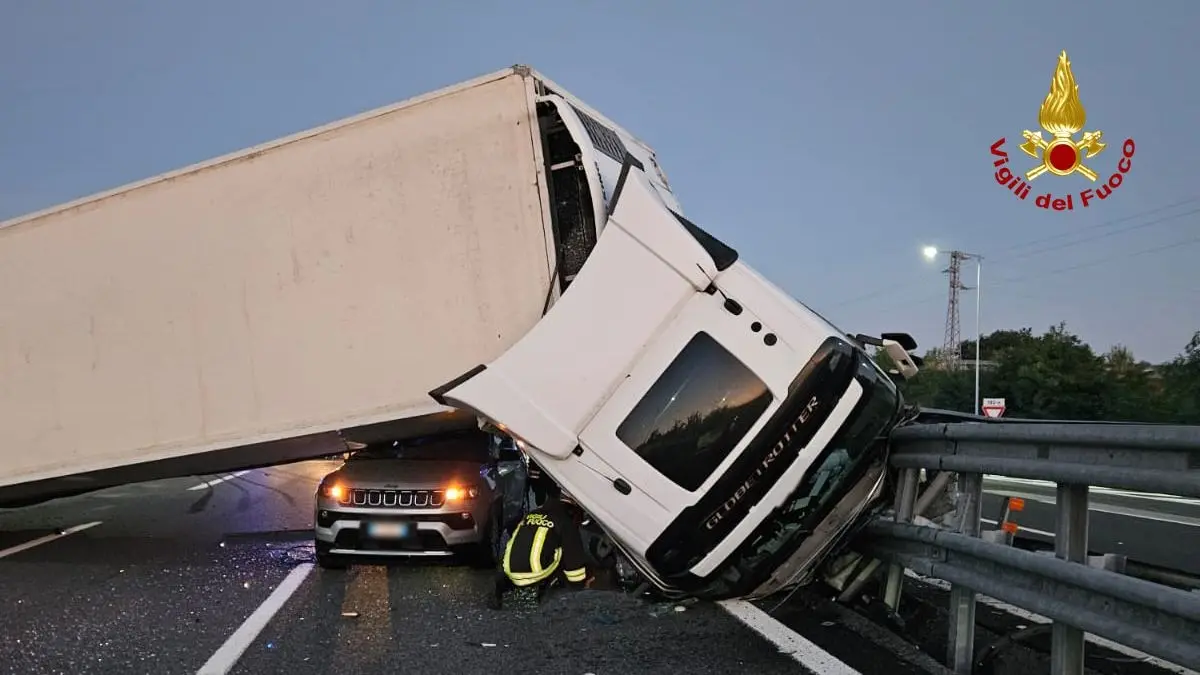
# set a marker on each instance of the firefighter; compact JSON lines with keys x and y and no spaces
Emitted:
{"x":544,"y":548}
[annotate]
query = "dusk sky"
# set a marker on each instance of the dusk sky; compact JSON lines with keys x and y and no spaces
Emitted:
{"x":827,"y":142}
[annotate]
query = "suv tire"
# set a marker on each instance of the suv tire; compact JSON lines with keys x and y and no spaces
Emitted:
{"x":328,"y":561}
{"x":488,"y":553}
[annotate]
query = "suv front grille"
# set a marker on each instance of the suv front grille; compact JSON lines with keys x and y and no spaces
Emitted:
{"x":395,"y":499}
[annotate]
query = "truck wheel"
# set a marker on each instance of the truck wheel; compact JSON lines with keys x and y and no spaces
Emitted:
{"x":598,"y":548}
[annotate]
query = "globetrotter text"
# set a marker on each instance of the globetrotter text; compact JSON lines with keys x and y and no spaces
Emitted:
{"x":1021,"y":189}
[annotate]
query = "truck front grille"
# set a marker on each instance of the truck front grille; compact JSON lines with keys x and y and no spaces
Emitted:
{"x":395,"y":499}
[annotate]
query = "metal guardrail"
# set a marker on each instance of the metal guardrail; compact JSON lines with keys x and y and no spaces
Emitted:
{"x":1159,"y":620}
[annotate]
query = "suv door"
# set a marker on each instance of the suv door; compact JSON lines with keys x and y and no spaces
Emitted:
{"x":511,"y":477}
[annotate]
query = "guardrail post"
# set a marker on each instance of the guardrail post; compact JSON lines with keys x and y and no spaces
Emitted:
{"x":962,"y":599}
{"x":932,"y":491}
{"x":1070,"y":544}
{"x":906,"y":499}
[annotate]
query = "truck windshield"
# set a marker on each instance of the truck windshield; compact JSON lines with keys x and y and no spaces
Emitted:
{"x":835,"y":471}
{"x":459,"y":447}
{"x":697,"y":411}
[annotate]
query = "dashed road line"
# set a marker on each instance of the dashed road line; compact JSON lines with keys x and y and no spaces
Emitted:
{"x":215,"y":481}
{"x":227,"y":656}
{"x":788,"y":641}
{"x":47,"y":539}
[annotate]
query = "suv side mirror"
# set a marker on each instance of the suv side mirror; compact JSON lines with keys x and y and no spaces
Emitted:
{"x":509,"y":452}
{"x":505,"y":449}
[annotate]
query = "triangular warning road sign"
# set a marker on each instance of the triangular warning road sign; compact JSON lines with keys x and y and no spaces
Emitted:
{"x":992,"y":407}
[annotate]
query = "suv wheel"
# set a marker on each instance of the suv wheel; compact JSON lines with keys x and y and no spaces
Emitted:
{"x":503,"y":533}
{"x":489,"y":551}
{"x":328,"y":561}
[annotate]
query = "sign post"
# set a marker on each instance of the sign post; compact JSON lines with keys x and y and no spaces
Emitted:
{"x":993,"y":407}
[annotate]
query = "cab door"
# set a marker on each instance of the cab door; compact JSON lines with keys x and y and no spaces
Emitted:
{"x":687,"y":407}
{"x":603,"y":340}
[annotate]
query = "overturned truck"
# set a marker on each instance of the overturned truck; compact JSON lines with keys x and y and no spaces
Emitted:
{"x":724,"y":435}
{"x":499,"y":247}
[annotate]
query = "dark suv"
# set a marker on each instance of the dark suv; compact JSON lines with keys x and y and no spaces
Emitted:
{"x":430,"y":496}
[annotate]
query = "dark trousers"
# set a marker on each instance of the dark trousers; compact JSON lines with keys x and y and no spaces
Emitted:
{"x":502,"y":585}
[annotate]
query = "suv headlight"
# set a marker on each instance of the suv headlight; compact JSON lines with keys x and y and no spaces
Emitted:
{"x":332,"y":491}
{"x":455,"y":493}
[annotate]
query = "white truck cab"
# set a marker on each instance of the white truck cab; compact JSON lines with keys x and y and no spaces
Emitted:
{"x":723,"y":434}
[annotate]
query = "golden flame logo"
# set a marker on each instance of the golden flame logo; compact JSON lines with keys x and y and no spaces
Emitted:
{"x":1062,"y":115}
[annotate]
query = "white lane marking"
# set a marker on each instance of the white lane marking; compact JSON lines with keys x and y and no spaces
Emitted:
{"x":46,"y":539}
{"x":1131,"y":512}
{"x":1023,"y":528}
{"x":1146,"y":515}
{"x":1038,"y":618}
{"x":787,"y":640}
{"x":222,"y":479}
{"x":1152,"y":496}
{"x":227,"y":656}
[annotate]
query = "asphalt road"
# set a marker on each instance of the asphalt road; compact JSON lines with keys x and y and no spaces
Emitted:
{"x":214,"y":575}
{"x":169,"y":576}
{"x":1158,"y":530}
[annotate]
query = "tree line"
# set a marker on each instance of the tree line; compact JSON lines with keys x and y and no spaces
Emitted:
{"x":1056,"y":375}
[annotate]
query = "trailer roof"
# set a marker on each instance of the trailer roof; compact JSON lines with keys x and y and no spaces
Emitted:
{"x":518,"y":70}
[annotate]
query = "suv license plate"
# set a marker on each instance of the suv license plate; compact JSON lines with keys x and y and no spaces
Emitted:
{"x":388,"y":530}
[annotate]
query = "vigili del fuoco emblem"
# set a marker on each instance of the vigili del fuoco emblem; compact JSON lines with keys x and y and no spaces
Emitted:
{"x":1063,"y":116}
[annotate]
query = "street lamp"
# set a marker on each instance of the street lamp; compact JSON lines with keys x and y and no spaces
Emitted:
{"x":931,"y":253}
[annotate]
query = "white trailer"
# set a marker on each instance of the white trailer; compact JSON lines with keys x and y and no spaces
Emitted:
{"x":243,"y":311}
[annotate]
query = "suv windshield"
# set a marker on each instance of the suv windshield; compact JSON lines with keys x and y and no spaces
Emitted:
{"x":468,"y":447}
{"x":697,"y":411}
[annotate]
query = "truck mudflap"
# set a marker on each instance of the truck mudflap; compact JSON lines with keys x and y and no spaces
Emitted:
{"x":647,"y":263}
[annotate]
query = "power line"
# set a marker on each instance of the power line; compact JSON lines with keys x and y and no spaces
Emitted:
{"x":1103,"y":225}
{"x":1086,"y":240}
{"x":1100,"y":261}
{"x":893,"y":288}
{"x":1061,"y":270}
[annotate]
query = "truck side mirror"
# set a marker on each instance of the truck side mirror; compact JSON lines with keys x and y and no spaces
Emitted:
{"x":903,"y":360}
